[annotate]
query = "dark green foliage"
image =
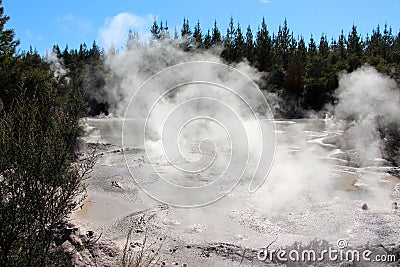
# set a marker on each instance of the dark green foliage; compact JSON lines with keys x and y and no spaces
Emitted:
{"x":249,"y":46}
{"x":207,"y":40}
{"x":40,"y":176}
{"x":354,"y":49}
{"x":155,"y":30}
{"x":38,"y":179}
{"x":86,"y":68}
{"x":282,"y":46}
{"x":186,"y":42}
{"x":305,"y":74}
{"x":185,"y":31}
{"x":197,"y":35}
{"x":229,"y":43}
{"x":239,"y":44}
{"x":164,"y":30}
{"x":7,"y":42}
{"x":263,"y":48}
{"x":216,"y":35}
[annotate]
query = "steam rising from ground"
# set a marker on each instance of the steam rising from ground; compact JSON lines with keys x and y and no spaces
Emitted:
{"x":370,"y":100}
{"x":132,"y":67}
{"x":367,"y":101}
{"x":199,"y":117}
{"x":300,"y":172}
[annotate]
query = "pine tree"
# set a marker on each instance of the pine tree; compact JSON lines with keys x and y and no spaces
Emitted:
{"x":230,"y":31}
{"x":186,"y":42}
{"x":56,"y":50}
{"x":95,"y":52}
{"x":374,"y":47}
{"x":292,"y":55}
{"x":185,"y":31}
{"x":197,"y":35}
{"x":216,"y":35}
{"x":239,"y":44}
{"x":8,"y":44}
{"x":342,"y":46}
{"x":83,"y":52}
{"x":354,"y":49}
{"x":283,"y":40}
{"x":155,"y":30}
{"x":323,"y":48}
{"x":387,"y":42}
{"x":295,"y":72}
{"x":164,"y":31}
{"x":249,"y":45}
{"x":263,"y":48}
{"x":207,"y":40}
{"x":229,"y":46}
{"x":312,"y":47}
{"x":302,"y":51}
{"x":337,"y":58}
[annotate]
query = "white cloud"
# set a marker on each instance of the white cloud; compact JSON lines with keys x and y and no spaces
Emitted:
{"x":115,"y":29}
{"x":71,"y":23}
{"x":265,"y":1}
{"x":30,"y":35}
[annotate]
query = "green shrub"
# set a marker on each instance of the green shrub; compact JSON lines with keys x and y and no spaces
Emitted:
{"x":40,"y":175}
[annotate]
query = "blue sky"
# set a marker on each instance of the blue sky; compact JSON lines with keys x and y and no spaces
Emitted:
{"x":42,"y":23}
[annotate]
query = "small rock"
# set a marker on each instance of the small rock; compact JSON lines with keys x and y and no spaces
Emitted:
{"x":184,"y":265}
{"x":188,"y":246}
{"x":115,"y":184}
{"x":364,"y":206}
{"x":71,"y":225}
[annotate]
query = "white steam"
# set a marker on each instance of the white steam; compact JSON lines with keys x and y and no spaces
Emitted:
{"x":205,"y":108}
{"x":301,"y":172}
{"x":113,"y":33}
{"x":56,"y":65}
{"x":368,"y":99}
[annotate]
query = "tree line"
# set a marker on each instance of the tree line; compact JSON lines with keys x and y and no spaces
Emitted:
{"x":304,"y":73}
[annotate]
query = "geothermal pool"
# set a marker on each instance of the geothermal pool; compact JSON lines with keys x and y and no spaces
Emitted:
{"x":314,"y":191}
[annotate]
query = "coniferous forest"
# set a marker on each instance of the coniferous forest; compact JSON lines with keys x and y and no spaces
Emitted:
{"x":304,"y":73}
{"x":40,"y":174}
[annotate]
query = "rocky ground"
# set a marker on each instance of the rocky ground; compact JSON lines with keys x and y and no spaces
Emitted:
{"x":221,"y":235}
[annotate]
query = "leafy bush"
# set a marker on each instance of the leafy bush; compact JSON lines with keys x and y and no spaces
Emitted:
{"x":40,"y":177}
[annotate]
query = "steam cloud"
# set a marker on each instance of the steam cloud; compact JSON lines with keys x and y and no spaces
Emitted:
{"x":300,"y":172}
{"x":201,"y":115}
{"x":366,"y":101}
{"x":370,"y":100}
